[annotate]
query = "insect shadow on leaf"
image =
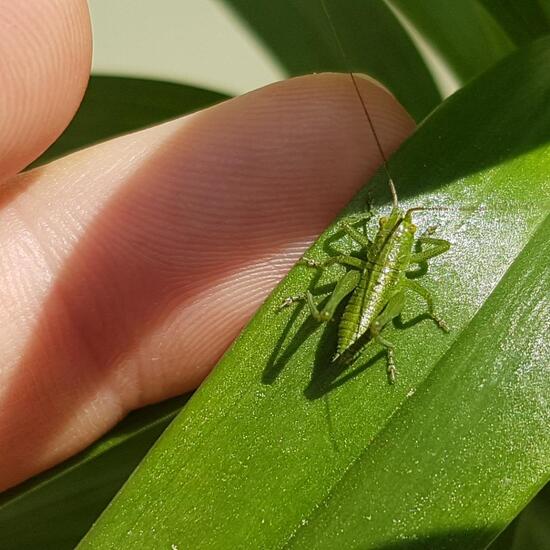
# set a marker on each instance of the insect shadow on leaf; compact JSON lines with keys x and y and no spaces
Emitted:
{"x":282,"y":353}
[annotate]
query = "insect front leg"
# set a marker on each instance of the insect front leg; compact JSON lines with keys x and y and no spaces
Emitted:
{"x":436,"y":247}
{"x":356,"y":235}
{"x":425,"y":293}
{"x":393,"y":309}
{"x":342,"y":259}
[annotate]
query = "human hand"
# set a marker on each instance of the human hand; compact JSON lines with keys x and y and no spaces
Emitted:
{"x":128,"y":268}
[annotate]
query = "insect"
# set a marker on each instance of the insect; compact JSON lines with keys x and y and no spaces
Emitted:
{"x":376,"y":283}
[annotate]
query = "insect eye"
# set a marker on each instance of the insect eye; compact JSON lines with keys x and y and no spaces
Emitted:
{"x":383,"y":221}
{"x":412,"y":228}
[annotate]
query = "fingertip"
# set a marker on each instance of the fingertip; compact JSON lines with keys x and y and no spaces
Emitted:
{"x":159,"y":247}
{"x":310,"y":135}
{"x":45,"y":53}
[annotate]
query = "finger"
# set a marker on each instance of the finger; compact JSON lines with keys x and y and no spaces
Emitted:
{"x":45,"y":53}
{"x":129,"y":267}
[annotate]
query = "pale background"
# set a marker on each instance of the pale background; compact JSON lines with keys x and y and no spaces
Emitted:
{"x":197,"y":42}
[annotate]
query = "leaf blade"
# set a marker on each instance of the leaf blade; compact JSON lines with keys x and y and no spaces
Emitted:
{"x":257,"y":430}
{"x":418,"y":426}
{"x":468,"y":39}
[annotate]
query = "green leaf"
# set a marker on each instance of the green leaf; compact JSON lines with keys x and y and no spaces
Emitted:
{"x":530,"y":529}
{"x":279,"y":449}
{"x":523,"y":20}
{"x":55,"y":509}
{"x":117,"y":105}
{"x":298,"y":33}
{"x":467,"y":38}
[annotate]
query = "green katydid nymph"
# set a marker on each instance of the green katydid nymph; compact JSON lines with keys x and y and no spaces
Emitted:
{"x":378,"y":284}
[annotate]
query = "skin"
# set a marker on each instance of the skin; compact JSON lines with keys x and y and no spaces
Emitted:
{"x":129,"y":267}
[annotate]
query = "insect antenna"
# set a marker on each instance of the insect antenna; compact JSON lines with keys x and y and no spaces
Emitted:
{"x":363,"y":105}
{"x":442,"y":208}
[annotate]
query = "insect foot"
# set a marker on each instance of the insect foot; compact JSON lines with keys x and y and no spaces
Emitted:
{"x":309,"y":262}
{"x":430,"y":231}
{"x":441,"y":324}
{"x":392,"y":371}
{"x":291,"y":300}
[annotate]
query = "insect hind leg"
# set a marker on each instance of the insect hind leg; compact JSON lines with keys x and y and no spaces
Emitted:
{"x":425,"y":294}
{"x":436,"y":247}
{"x":390,"y":354}
{"x":393,"y":309}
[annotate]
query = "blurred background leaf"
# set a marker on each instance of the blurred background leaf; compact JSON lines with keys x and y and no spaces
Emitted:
{"x":114,"y":105}
{"x":462,"y":33}
{"x":523,"y":20}
{"x":531,"y":529}
{"x":298,"y":33}
{"x":54,"y":510}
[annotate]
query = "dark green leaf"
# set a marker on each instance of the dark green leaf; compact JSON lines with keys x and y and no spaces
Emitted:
{"x":280,"y":449}
{"x":466,"y":37}
{"x":299,"y":35}
{"x":54,"y":510}
{"x":523,"y":20}
{"x":116,"y":105}
{"x":531,"y":529}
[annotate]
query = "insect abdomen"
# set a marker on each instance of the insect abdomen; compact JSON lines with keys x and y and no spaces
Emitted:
{"x":375,"y":287}
{"x":364,"y":306}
